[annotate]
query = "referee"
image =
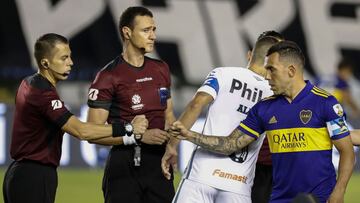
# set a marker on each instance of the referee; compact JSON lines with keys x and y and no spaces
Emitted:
{"x":40,"y":121}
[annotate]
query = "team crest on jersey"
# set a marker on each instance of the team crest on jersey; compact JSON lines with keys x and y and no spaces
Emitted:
{"x":93,"y":94}
{"x":305,"y":116}
{"x":338,"y":110}
{"x":56,"y":104}
{"x":136,"y":100}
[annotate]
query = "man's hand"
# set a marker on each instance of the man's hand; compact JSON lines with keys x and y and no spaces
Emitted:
{"x":140,"y":124}
{"x":169,"y":159}
{"x":155,"y":137}
{"x":179,"y":131}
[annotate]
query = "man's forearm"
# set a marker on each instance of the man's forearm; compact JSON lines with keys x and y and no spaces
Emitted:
{"x":346,"y":165}
{"x":223,"y":145}
{"x":107,"y":141}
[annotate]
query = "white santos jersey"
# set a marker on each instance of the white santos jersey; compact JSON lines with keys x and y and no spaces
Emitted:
{"x":235,"y":90}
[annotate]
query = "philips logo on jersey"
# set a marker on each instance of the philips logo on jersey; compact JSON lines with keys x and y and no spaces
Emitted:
{"x":56,"y":104}
{"x":230,"y":176}
{"x":253,"y":95}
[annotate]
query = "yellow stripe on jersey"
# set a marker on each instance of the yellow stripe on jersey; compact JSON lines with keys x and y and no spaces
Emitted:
{"x":321,"y":90}
{"x":299,"y":140}
{"x":320,"y":94}
{"x":250,"y":130}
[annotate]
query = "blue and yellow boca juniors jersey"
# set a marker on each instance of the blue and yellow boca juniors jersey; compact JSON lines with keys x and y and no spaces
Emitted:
{"x":299,"y":135}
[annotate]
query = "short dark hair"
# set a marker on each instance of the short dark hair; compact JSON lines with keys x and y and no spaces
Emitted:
{"x":345,"y":63}
{"x":271,"y":33}
{"x":290,"y":50}
{"x":128,"y":16}
{"x":263,"y":44}
{"x":45,"y":44}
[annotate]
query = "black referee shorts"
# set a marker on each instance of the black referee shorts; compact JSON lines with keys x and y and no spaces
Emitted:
{"x":124,"y":182}
{"x":30,"y":182}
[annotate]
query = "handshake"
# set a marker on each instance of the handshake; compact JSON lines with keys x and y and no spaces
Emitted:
{"x":179,"y":131}
{"x":157,"y":136}
{"x":176,"y":130}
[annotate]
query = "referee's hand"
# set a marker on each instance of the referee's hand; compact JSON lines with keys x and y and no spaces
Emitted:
{"x":140,"y":124}
{"x":155,"y":136}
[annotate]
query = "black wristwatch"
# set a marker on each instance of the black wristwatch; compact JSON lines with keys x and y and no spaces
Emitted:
{"x":129,"y":129}
{"x":138,"y":138}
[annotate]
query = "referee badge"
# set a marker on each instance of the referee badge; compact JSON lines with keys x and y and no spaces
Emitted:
{"x":305,"y":116}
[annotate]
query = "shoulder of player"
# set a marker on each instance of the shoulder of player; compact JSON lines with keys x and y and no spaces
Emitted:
{"x":112,"y":64}
{"x":37,"y":81}
{"x":269,"y":98}
{"x":230,"y":71}
{"x":158,"y":62}
{"x":318,"y":92}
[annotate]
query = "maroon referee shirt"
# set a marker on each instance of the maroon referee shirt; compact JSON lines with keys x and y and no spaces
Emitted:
{"x":39,"y":116}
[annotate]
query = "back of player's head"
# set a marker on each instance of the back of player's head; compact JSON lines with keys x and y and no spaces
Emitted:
{"x":289,"y":52}
{"x":128,"y":16}
{"x":271,"y":33}
{"x":345,"y":63}
{"x":45,"y":44}
{"x":263,"y":44}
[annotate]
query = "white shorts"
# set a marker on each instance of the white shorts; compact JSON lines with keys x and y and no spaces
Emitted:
{"x":194,"y":192}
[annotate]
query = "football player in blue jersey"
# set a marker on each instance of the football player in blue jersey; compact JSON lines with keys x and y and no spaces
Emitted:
{"x":301,"y":122}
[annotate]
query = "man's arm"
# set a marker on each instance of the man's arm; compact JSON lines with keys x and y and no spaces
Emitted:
{"x":192,"y":112}
{"x":169,"y":114}
{"x":188,"y":118}
{"x":99,"y":116}
{"x":346,"y":165}
{"x":355,"y":137}
{"x":220,"y":144}
{"x":89,"y":131}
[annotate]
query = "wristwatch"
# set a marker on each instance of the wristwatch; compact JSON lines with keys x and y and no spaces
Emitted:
{"x":129,"y":129}
{"x":138,"y":138}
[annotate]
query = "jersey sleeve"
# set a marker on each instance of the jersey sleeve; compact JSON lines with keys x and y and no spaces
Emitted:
{"x":101,"y":90}
{"x":211,"y":84}
{"x":252,"y":124}
{"x":54,"y":109}
{"x":335,"y":119}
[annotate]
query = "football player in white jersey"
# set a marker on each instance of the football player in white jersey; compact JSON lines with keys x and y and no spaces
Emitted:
{"x":231,"y":92}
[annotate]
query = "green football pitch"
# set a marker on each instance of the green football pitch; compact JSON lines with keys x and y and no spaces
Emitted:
{"x":84,"y":185}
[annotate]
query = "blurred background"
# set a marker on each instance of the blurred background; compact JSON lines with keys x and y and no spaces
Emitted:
{"x":193,"y":37}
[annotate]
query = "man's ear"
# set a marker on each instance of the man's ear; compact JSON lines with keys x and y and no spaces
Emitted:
{"x":126,"y":32}
{"x":292,"y":71}
{"x":44,"y":63}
